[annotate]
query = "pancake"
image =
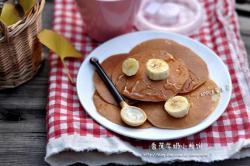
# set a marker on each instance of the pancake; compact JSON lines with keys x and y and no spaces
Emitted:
{"x":201,"y":105}
{"x":108,"y":65}
{"x":198,"y":71}
{"x":111,"y":112}
{"x":140,"y":87}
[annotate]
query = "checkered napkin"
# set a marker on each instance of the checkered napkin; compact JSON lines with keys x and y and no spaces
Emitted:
{"x":73,"y":136}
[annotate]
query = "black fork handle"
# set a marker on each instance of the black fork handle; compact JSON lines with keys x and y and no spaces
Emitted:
{"x":107,"y":80}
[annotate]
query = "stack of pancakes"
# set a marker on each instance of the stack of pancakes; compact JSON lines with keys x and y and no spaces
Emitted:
{"x":188,"y":77}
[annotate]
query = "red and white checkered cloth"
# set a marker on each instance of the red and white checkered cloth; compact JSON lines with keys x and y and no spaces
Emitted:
{"x":73,"y":136}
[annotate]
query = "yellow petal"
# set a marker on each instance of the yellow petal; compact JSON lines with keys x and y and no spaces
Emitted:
{"x":9,"y":14}
{"x":27,"y":5}
{"x":58,"y":44}
{"x":61,"y":46}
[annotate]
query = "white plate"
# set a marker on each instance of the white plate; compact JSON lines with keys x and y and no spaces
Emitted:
{"x":123,"y":44}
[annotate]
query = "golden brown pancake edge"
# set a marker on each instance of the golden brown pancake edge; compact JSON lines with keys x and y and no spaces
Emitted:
{"x":108,"y":65}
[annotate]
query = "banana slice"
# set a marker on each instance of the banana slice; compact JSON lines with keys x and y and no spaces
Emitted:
{"x":177,"y":106}
{"x":157,"y":69}
{"x":130,"y":66}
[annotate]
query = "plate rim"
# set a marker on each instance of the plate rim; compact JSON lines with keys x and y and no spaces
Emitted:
{"x":143,"y":130}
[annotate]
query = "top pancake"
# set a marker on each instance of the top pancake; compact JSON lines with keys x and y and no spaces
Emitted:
{"x":202,"y":101}
{"x":198,"y":71}
{"x":140,"y":87}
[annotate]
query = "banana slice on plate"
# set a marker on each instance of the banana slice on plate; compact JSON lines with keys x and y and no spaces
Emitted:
{"x":177,"y":106}
{"x":157,"y":69}
{"x":130,"y":66}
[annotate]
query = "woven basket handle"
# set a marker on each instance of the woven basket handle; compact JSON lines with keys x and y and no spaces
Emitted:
{"x":4,"y":30}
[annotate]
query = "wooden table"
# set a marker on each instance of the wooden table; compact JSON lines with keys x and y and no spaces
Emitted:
{"x":22,"y":115}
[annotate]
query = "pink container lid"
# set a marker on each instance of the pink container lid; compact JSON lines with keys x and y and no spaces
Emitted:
{"x":180,"y":16}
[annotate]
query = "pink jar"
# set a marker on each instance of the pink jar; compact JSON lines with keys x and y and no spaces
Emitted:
{"x":105,"y":19}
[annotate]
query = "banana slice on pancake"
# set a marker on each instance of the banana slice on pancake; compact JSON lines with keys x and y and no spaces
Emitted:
{"x":157,"y":69}
{"x":177,"y":106}
{"x":130,"y":66}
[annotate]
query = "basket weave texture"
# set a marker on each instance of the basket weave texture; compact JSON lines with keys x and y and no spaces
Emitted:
{"x":20,"y":50}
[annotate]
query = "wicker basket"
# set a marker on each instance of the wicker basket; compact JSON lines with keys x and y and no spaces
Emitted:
{"x":20,"y":50}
